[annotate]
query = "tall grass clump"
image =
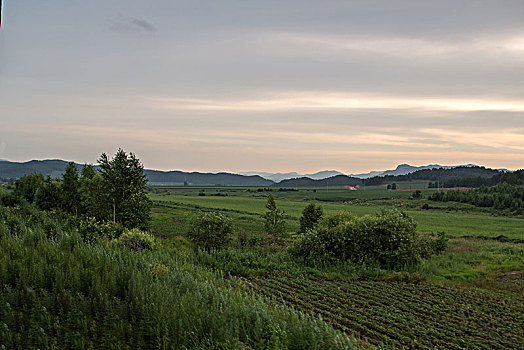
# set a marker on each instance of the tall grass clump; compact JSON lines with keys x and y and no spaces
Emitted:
{"x":58,"y":290}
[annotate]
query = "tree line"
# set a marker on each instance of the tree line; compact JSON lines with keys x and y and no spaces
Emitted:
{"x":114,"y":192}
{"x":501,"y":196}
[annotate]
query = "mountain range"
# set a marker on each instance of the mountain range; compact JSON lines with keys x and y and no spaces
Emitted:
{"x":402,"y":169}
{"x":56,"y":167}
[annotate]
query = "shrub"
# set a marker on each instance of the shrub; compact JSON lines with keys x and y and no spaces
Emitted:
{"x":387,"y":238}
{"x":137,"y":240}
{"x":10,"y":199}
{"x":91,"y":229}
{"x":429,"y":246}
{"x":210,"y":230}
{"x":311,"y":215}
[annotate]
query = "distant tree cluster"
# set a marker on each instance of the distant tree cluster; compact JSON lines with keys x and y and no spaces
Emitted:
{"x":449,"y":177}
{"x":115,"y":192}
{"x":501,"y":196}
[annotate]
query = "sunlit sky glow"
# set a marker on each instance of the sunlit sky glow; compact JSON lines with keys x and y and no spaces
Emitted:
{"x":273,"y":85}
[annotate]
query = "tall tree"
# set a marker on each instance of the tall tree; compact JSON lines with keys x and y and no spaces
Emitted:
{"x":274,"y":219}
{"x":71,"y":189}
{"x":49,"y":194}
{"x":93,"y":197}
{"x":125,"y":184}
{"x":27,"y":185}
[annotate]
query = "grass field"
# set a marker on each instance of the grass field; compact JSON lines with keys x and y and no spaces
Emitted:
{"x":246,"y":205}
{"x":477,"y":253}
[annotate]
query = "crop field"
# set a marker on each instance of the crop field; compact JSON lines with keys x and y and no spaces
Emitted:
{"x":405,"y":315}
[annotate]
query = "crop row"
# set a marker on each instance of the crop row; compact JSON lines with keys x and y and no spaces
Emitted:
{"x":406,"y":315}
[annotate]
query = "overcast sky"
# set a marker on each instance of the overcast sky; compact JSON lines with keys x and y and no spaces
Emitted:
{"x":269,"y":85}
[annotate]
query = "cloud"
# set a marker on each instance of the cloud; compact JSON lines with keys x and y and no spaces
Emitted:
{"x":132,"y":25}
{"x":326,"y":101}
{"x":301,"y":43}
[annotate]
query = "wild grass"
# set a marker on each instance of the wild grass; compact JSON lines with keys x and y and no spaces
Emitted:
{"x":57,"y":291}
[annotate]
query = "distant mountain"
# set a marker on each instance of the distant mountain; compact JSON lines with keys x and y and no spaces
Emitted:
{"x":49,"y":167}
{"x":56,"y":167}
{"x":338,"y":180}
{"x":277,"y":177}
{"x":157,"y":177}
{"x":404,"y":169}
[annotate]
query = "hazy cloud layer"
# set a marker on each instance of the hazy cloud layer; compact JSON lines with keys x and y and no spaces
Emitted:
{"x":277,"y":85}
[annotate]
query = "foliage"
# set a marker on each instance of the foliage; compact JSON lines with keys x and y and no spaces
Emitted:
{"x":125,"y":184}
{"x":137,"y":240}
{"x":94,"y":201}
{"x":71,"y":189}
{"x":274,"y":224}
{"x":429,"y":247}
{"x":210,"y":230}
{"x":10,"y":199}
{"x":387,"y":238}
{"x":27,"y":185}
{"x":501,"y":196}
{"x":92,"y":230}
{"x":64,"y":293}
{"x":49,"y":195}
{"x":453,"y":176}
{"x":311,"y":215}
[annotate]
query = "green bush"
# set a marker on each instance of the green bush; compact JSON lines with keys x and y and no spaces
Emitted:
{"x":91,"y":229}
{"x":387,"y":239}
{"x":137,"y":240}
{"x":311,"y":215}
{"x":429,"y":246}
{"x":210,"y":230}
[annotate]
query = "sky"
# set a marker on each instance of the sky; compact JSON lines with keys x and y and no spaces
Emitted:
{"x":264,"y":85}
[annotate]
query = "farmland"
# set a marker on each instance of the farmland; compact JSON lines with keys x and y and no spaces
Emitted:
{"x":403,"y":314}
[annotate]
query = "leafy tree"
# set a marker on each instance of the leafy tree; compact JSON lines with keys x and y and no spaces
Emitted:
{"x":93,"y":197}
{"x":49,"y":194}
{"x":311,"y":215}
{"x":27,"y":185}
{"x":71,"y":189}
{"x":210,"y":230}
{"x":125,"y":183}
{"x":275,"y":224}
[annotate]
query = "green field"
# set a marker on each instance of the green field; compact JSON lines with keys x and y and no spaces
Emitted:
{"x":246,"y":205}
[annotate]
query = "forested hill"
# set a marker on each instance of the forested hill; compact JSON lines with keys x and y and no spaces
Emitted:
{"x":463,"y":176}
{"x":49,"y":167}
{"x":468,"y":176}
{"x":56,"y":167}
{"x":338,"y":180}
{"x":204,"y":179}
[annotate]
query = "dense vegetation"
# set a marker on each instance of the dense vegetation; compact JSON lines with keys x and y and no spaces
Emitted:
{"x":115,"y":192}
{"x":58,"y":291}
{"x":454,"y":177}
{"x":501,"y":196}
{"x":387,"y":239}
